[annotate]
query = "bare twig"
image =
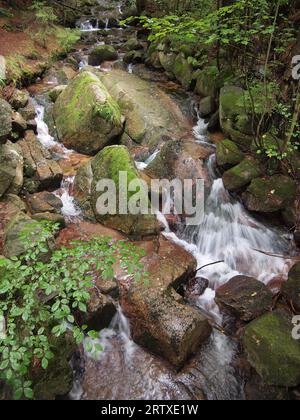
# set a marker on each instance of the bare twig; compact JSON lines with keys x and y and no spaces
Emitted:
{"x":277,"y":255}
{"x":208,"y":265}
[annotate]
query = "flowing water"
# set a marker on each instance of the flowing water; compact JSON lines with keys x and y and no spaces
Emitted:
{"x":228,"y":234}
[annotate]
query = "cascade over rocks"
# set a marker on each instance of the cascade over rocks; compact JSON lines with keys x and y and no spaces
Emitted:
{"x":107,"y":164}
{"x":291,"y":289}
{"x":86,"y":116}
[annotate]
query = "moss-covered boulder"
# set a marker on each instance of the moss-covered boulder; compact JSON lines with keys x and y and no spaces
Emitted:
{"x":11,"y":169}
{"x":241,"y":175}
{"x":133,"y":44}
{"x":167,"y":61}
{"x":107,"y":165}
{"x":183,"y":71}
{"x":102,"y":53}
{"x":207,"y":106}
{"x":151,"y":116}
{"x":19,"y":99}
{"x":134,"y":57}
{"x":244,"y":297}
{"x":269,"y":195}
{"x":271,"y":349}
{"x":87,"y":117}
{"x":234,"y":120}
{"x":209,"y":81}
{"x":228,"y":154}
{"x":5,"y":120}
{"x":291,"y":289}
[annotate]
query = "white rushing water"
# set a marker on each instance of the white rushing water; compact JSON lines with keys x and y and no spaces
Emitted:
{"x":144,"y":165}
{"x":69,"y":209}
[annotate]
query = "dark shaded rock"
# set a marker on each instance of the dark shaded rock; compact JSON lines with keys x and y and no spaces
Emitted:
{"x":44,"y":202}
{"x":28,"y":112}
{"x":244,"y":297}
{"x":134,"y":57}
{"x":291,"y":289}
{"x":228,"y":154}
{"x":214,"y":122}
{"x":102,"y":53}
{"x":100,"y":311}
{"x":269,"y":195}
{"x":50,"y":217}
{"x":271,"y":349}
{"x":19,"y":99}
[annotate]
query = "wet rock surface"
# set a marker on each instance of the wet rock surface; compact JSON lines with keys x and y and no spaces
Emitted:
{"x":244,"y":297}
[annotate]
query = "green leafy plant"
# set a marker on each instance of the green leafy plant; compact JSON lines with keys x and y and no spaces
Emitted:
{"x":67,"y":38}
{"x":40,"y":295}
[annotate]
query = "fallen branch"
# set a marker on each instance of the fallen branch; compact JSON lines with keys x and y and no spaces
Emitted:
{"x":208,"y":265}
{"x":285,"y":257}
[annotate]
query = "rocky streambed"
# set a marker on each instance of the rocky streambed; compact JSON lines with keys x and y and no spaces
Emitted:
{"x":200,"y":330}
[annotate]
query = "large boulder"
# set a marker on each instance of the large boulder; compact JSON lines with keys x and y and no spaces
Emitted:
{"x":5,"y":120}
{"x":208,"y":81}
{"x":272,"y":350}
{"x":228,"y":154}
{"x":291,"y":289}
{"x":160,"y":321}
{"x":241,"y":175}
{"x":183,"y":71}
{"x":107,"y":165}
{"x":11,"y":169}
{"x":41,"y":172}
{"x":234,"y":119}
{"x":269,"y":195}
{"x":102,"y":53}
{"x":182,"y":159}
{"x":86,"y":116}
{"x":244,"y":297}
{"x":10,"y":206}
{"x":44,"y":202}
{"x":151,"y":116}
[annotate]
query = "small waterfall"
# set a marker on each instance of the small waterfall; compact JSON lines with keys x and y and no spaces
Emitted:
{"x":121,"y":324}
{"x":130,"y":68}
{"x":43,"y":131}
{"x":87,"y":26}
{"x":106,"y":24}
{"x":69,"y":208}
{"x":143,"y":165}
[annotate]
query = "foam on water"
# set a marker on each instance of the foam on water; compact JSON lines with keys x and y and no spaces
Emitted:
{"x":69,"y":209}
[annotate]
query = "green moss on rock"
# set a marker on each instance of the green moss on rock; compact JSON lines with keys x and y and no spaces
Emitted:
{"x":269,"y":195}
{"x":86,"y":116}
{"x":241,"y":175}
{"x":271,"y":349}
{"x":228,"y":154}
{"x":102,"y":53}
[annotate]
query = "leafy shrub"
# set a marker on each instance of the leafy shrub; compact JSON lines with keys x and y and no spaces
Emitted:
{"x":40,"y":295}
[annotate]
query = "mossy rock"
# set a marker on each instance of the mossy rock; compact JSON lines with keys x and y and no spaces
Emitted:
{"x":102,"y":53}
{"x":87,"y":117}
{"x":291,"y":289}
{"x":234,"y":119}
{"x":183,"y":71}
{"x":209,"y":81}
{"x":57,"y":380}
{"x":269,"y":195}
{"x":133,"y":44}
{"x":241,"y":175}
{"x":271,"y":349}
{"x":55,"y":92}
{"x":228,"y":154}
{"x":167,"y":61}
{"x":107,"y":165}
{"x":5,"y":120}
{"x":11,"y":169}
